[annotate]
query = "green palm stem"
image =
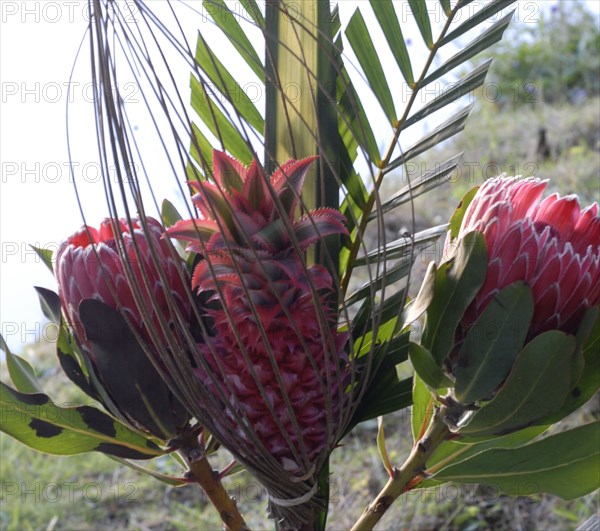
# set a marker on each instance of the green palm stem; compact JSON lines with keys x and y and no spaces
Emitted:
{"x":301,"y":121}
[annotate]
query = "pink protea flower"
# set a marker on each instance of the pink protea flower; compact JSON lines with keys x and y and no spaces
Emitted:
{"x":552,"y":245}
{"x":88,"y":266}
{"x":123,"y":378}
{"x":268,"y":304}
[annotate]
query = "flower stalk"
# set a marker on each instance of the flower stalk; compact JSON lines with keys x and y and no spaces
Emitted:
{"x":403,"y":478}
{"x":201,"y":472}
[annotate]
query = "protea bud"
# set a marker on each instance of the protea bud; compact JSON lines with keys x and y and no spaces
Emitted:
{"x":100,"y":307}
{"x":275,"y":353}
{"x":510,"y":306}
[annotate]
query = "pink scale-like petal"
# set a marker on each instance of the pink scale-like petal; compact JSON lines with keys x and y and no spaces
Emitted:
{"x":545,"y":306}
{"x":84,"y":237}
{"x":574,"y":299}
{"x":525,"y":197}
{"x":560,"y":213}
{"x":516,"y":271}
{"x":490,"y":232}
{"x":570,"y":273}
{"x":508,"y":247}
{"x":86,"y":271}
{"x":547,"y":276}
{"x":587,"y":233}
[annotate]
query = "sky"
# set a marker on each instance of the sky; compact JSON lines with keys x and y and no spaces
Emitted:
{"x":38,"y":206}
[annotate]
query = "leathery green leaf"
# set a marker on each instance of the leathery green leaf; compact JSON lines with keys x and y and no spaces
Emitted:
{"x":37,"y":422}
{"x":536,"y":387}
{"x":493,"y":342}
{"x":426,"y":367}
{"x":566,"y":464}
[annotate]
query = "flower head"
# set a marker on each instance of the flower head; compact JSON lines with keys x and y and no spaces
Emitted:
{"x":511,"y":306}
{"x":552,"y":245}
{"x":99,"y":305}
{"x":274,"y":351}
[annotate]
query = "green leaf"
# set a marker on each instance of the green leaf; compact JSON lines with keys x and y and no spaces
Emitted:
{"x":452,"y":452}
{"x":169,"y":214}
{"x":402,"y":247}
{"x":422,"y":407}
{"x":45,"y":255}
{"x":227,"y":85}
{"x":253,"y":10}
{"x":444,"y":131}
{"x":359,"y":38}
{"x":421,"y":302}
{"x":427,"y":368}
{"x":381,"y":447}
{"x":21,"y":373}
{"x":589,"y":382}
{"x":459,"y":213}
{"x":352,"y":115}
{"x":382,"y":398}
{"x":201,"y":151}
{"x":566,"y":464}
{"x":585,"y":330}
{"x":77,"y":366}
{"x":387,"y":391}
{"x":37,"y":422}
{"x":227,"y":21}
{"x":419,"y":9}
{"x":493,"y":342}
{"x":452,"y":92}
{"x":50,"y":303}
{"x":446,"y":7}
{"x":169,"y":480}
{"x":423,"y":184}
{"x":127,"y":374}
{"x":536,"y":387}
{"x":393,"y":274}
{"x":366,"y":316}
{"x":488,"y":38}
{"x":456,"y":284}
{"x":388,"y":20}
{"x":218,"y":124}
{"x":483,"y":14}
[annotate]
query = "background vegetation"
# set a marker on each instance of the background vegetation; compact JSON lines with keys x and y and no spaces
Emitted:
{"x":539,"y":114}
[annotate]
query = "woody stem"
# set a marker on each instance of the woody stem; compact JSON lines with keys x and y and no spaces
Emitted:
{"x":202,"y":473}
{"x":437,"y":432}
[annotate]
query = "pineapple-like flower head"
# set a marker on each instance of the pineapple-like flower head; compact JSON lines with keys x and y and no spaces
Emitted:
{"x":511,"y":306}
{"x":98,"y":303}
{"x":274,"y":349}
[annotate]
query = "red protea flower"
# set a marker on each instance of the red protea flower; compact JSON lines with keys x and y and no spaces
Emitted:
{"x":551,"y":245}
{"x":275,"y":339}
{"x":511,"y":306}
{"x":90,"y":268}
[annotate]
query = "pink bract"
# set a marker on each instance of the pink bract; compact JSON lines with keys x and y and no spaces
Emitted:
{"x":552,"y":245}
{"x":274,"y":350}
{"x":88,"y":266}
